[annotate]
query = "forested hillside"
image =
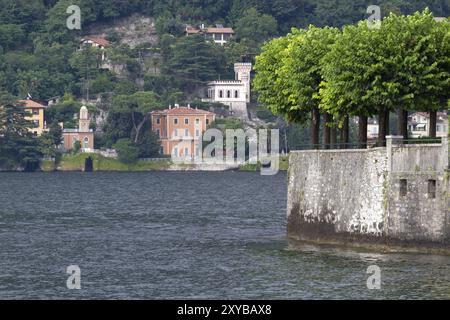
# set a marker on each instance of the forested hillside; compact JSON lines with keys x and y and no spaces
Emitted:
{"x":39,"y":55}
{"x":36,"y":45}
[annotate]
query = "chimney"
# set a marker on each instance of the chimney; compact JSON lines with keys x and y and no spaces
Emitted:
{"x":189,"y":105}
{"x":170,"y":106}
{"x":177,"y":105}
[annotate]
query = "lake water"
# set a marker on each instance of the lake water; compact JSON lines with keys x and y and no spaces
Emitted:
{"x":181,"y":235}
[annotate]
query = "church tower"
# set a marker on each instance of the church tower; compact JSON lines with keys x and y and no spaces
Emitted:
{"x":84,"y":121}
{"x":242,"y":71}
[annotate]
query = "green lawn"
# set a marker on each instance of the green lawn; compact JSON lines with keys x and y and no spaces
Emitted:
{"x":284,"y":165}
{"x":76,"y":163}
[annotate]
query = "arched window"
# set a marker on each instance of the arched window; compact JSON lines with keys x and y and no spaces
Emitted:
{"x":86,"y":143}
{"x":220,"y":94}
{"x":236,"y":94}
{"x":228,"y":94}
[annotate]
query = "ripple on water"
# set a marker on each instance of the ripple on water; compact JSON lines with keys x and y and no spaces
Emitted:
{"x":181,"y":235}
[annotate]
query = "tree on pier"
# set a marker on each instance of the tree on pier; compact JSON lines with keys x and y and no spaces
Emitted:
{"x":361,"y":71}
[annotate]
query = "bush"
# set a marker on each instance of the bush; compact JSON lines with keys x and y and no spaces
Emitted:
{"x":76,"y":147}
{"x":127,"y":152}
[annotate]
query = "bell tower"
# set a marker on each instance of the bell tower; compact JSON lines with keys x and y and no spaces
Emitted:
{"x":83,"y":125}
{"x":242,"y":71}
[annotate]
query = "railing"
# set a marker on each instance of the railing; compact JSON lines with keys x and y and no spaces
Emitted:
{"x":369,"y":145}
{"x":422,"y":141}
{"x":338,"y":146}
{"x":154,"y":159}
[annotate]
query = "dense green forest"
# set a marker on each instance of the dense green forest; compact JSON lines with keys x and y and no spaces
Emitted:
{"x":36,"y":45}
{"x":39,"y":56}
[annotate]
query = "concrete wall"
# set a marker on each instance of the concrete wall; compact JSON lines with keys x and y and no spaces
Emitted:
{"x":354,"y":196}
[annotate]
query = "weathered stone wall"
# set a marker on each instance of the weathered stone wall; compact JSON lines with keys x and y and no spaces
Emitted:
{"x":335,"y":194}
{"x":416,"y":158}
{"x":355,"y":196}
{"x":417,"y":216}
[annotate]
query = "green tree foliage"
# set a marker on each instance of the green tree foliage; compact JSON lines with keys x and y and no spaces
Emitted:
{"x":139,"y":106}
{"x":253,"y":28}
{"x":404,"y":64}
{"x":11,"y":35}
{"x":76,"y":147}
{"x":64,"y":111}
{"x":17,"y":145}
{"x":359,"y":71}
{"x":193,"y":62}
{"x":127,"y":151}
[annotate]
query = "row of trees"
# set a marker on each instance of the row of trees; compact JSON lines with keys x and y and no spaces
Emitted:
{"x":329,"y":75}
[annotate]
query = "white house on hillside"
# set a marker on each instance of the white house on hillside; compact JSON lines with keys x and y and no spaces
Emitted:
{"x":218,"y":34}
{"x":233,"y":93}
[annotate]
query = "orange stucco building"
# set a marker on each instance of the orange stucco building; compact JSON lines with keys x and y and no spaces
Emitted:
{"x":83,"y":134}
{"x":180,"y":129}
{"x":36,"y":116}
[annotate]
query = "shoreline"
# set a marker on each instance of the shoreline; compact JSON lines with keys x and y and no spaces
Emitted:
{"x":76,"y":163}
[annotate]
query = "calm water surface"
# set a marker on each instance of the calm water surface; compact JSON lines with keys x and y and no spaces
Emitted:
{"x":181,"y":235}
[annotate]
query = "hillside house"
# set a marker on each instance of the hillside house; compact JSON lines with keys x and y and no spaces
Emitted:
{"x":218,"y":34}
{"x":234,"y":93}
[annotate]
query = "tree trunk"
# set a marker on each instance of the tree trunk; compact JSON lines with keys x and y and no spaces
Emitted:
{"x":326,"y":131}
{"x":362,"y":134}
{"x":315,"y":128}
{"x":345,"y":134}
{"x":433,"y":123}
{"x":139,"y":128}
{"x":333,"y":137}
{"x":383,"y":124}
{"x":402,"y":123}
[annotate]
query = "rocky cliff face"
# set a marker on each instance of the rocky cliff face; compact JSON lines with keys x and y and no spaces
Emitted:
{"x":134,"y":30}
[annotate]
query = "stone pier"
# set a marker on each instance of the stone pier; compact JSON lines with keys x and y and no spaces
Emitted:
{"x":393,"y":198}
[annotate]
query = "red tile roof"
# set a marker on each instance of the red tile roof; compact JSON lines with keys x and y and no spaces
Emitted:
{"x":191,"y":30}
{"x":182,"y":111}
{"x":219,"y":30}
{"x":32,"y":104}
{"x":100,"y":41}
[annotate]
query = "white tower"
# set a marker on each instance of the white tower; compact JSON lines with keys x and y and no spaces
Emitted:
{"x":242,"y":71}
{"x":83,"y":124}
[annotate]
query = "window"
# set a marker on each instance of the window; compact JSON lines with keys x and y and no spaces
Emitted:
{"x":161,"y":150}
{"x":236,"y":94}
{"x":431,"y":189}
{"x":228,"y":94}
{"x":175,"y":152}
{"x":186,"y":151}
{"x":175,"y":121}
{"x":197,"y":121}
{"x":176,"y":133}
{"x":421,"y":127}
{"x":158,"y":120}
{"x":186,"y":120}
{"x":158,"y":133}
{"x":207,"y":121}
{"x":86,"y":143}
{"x":403,"y":187}
{"x":36,"y":112}
{"x":197,"y":133}
{"x":186,"y":132}
{"x":220,"y":94}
